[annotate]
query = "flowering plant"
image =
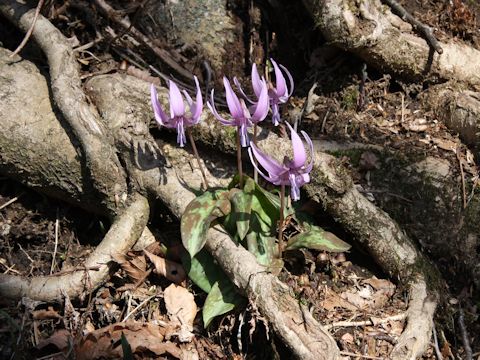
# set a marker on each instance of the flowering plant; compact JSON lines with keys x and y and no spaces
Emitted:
{"x":254,"y":217}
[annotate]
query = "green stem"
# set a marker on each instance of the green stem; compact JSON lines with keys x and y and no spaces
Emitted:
{"x":195,"y":152}
{"x":255,"y":172}
{"x":239,"y":158}
{"x":282,"y":220}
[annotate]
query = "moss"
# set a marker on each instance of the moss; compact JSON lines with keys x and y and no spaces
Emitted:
{"x":349,"y":98}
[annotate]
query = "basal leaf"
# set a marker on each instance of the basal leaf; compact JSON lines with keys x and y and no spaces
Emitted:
{"x":241,"y":209}
{"x":317,"y":238}
{"x":197,"y":218}
{"x":203,"y":270}
{"x":222,"y":298}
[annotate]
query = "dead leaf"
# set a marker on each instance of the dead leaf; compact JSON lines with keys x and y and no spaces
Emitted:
{"x":445,"y":144}
{"x":142,"y":337}
{"x":169,"y":269}
{"x":61,"y":339}
{"x":181,"y":310}
{"x":136,"y":267}
{"x":333,"y":300}
{"x":417,"y":125}
{"x":347,"y":338}
{"x":43,"y":314}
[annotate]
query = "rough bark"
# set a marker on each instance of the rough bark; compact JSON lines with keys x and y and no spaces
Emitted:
{"x":368,"y":28}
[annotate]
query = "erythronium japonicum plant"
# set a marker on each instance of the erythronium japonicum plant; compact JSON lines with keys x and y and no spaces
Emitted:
{"x":295,"y":172}
{"x":251,"y":215}
{"x":179,"y":119}
{"x":242,"y":117}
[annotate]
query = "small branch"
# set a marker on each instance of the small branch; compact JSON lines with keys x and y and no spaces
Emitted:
{"x":368,"y":322}
{"x":30,"y":30}
{"x":423,"y":29}
{"x":463,"y":330}
{"x":52,"y":268}
{"x":125,"y":23}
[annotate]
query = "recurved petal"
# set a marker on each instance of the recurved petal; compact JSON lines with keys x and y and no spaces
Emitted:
{"x":299,"y":154}
{"x":160,"y":116}
{"x":211,"y":106}
{"x":263,"y":104}
{"x":281,"y":85}
{"x":290,"y":80}
{"x":177,"y":107}
{"x":309,"y":167}
{"x":273,"y":168}
{"x":232,"y":100}
{"x":256,"y":81}
{"x":197,"y":108}
{"x":273,"y":180}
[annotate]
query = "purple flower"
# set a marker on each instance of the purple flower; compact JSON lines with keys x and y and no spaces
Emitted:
{"x":178,"y":119}
{"x":242,"y":117}
{"x":291,"y":172}
{"x":277,"y":95}
{"x":280,"y":93}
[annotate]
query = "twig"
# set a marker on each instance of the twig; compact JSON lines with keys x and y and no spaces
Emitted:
{"x":423,"y":29}
{"x":56,"y":245}
{"x":462,"y":177}
{"x":346,"y":353}
{"x":435,"y":343}
{"x":161,"y":53}
{"x":30,"y":30}
{"x":138,"y":307}
{"x":11,"y":201}
{"x":361,"y":90}
{"x":368,"y":322}
{"x":463,"y":330}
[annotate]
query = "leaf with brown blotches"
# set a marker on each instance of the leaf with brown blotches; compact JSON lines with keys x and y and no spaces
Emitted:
{"x":169,"y":269}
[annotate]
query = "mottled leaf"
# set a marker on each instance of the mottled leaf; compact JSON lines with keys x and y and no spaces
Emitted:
{"x":221,"y":299}
{"x":203,"y":270}
{"x":317,"y":238}
{"x":198,"y":216}
{"x":241,"y":208}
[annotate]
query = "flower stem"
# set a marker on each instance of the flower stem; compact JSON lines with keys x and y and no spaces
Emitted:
{"x":282,"y":220}
{"x":239,"y":158}
{"x":195,"y":152}
{"x":255,"y":172}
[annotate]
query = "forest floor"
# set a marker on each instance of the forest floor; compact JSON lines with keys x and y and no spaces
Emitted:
{"x":363,"y":309}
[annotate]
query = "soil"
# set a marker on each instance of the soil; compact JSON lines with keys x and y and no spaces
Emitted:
{"x":346,"y":292}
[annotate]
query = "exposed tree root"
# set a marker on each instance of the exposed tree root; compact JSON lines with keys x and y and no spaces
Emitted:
{"x":383,"y":40}
{"x":100,"y":157}
{"x":123,"y":233}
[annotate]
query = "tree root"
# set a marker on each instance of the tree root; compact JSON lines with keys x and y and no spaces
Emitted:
{"x":96,"y":143}
{"x":386,"y":42}
{"x":123,"y":233}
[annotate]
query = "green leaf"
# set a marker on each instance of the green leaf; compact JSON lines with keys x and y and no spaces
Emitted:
{"x":203,"y":270}
{"x":221,"y":299}
{"x":242,"y":206}
{"x":126,"y":349}
{"x":318,"y":239}
{"x":198,"y":216}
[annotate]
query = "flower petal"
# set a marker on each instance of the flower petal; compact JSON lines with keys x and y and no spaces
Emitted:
{"x":273,"y":168}
{"x":273,"y":180}
{"x":309,"y":167}
{"x":232,"y":100}
{"x":237,"y":84}
{"x":256,"y":81}
{"x":290,"y":80}
{"x":198,"y":106}
{"x":263,"y":104}
{"x":160,"y":116}
{"x":177,"y":107}
{"x":211,"y":106}
{"x":281,"y":86}
{"x":299,"y":154}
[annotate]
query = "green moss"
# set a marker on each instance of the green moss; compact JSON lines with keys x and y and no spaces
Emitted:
{"x":349,"y":98}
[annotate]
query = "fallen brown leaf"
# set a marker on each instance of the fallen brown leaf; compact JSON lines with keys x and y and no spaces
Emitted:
{"x":169,"y":269}
{"x":43,"y":314}
{"x":61,"y":339}
{"x":333,"y":300}
{"x":136,"y":267}
{"x":142,"y":337}
{"x":181,"y":310}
